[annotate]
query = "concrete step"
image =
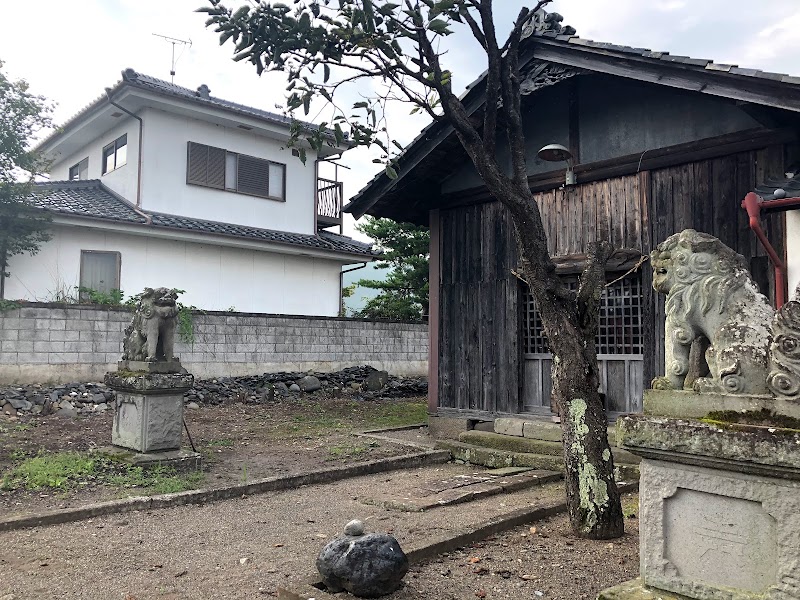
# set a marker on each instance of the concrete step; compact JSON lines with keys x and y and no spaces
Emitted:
{"x":493,"y":457}
{"x":462,"y":488}
{"x":532,"y":445}
{"x":537,"y":429}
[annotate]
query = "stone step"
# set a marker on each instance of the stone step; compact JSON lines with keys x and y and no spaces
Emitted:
{"x":537,"y":429}
{"x":463,"y":488}
{"x":532,"y":445}
{"x":494,"y":458}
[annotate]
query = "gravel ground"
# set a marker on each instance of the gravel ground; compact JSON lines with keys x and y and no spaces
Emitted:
{"x":248,"y":547}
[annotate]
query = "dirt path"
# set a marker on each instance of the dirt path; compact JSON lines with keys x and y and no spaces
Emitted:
{"x":239,"y":443}
{"x":248,"y":547}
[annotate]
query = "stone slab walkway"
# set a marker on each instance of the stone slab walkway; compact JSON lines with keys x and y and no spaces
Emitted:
{"x":438,"y":492}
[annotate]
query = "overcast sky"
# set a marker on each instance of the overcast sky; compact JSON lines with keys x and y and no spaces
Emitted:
{"x":71,"y":51}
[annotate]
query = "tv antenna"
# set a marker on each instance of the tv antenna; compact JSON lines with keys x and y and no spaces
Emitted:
{"x":174,"y":42}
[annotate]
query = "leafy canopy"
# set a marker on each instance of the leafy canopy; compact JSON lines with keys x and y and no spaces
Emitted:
{"x":382,"y":51}
{"x":23,"y":228}
{"x":404,"y":292}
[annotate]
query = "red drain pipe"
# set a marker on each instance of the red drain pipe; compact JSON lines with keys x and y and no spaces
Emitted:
{"x":753,"y":204}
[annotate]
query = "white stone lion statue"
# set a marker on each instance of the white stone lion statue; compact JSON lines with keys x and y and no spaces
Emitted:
{"x":711,"y":295}
{"x":151,"y":335}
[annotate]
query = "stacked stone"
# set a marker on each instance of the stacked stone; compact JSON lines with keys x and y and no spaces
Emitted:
{"x":71,"y":398}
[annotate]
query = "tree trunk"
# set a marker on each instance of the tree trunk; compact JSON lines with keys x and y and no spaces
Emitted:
{"x":570,"y":323}
{"x":593,"y":500}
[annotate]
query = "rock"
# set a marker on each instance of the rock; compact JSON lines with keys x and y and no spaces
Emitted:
{"x":294,"y":388}
{"x":268,"y":393}
{"x":375,"y":381}
{"x":66,"y":405}
{"x":101,"y":407}
{"x":368,"y":565}
{"x":9,"y":411}
{"x":193,"y":405}
{"x":354,"y":528}
{"x":309,"y":383}
{"x":244,"y":560}
{"x":98,"y":398}
{"x":20,"y":404}
{"x":281,"y":388}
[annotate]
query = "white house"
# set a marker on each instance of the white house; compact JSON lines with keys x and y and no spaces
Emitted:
{"x":154,"y":184}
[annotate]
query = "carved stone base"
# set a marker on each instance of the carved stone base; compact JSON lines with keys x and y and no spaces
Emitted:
{"x":635,"y":590}
{"x":688,"y":404}
{"x":158,"y":366}
{"x":719,"y":509}
{"x":183,"y":461}
{"x":149,"y":410}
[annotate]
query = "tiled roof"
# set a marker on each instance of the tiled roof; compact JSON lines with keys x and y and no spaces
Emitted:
{"x":703,"y":63}
{"x":84,"y":199}
{"x":91,"y":199}
{"x":361,"y":201}
{"x":200,"y":96}
{"x":147,"y":82}
{"x":790,"y":187}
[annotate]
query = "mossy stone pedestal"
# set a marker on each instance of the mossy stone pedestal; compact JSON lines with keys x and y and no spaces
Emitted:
{"x":719,"y":507}
{"x":149,"y":417}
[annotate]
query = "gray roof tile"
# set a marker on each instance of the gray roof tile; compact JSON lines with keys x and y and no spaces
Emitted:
{"x":791,"y":187}
{"x":145,"y":82}
{"x":91,"y":199}
{"x":85,"y":199}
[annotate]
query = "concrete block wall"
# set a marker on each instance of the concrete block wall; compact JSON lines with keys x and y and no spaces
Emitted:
{"x":49,"y":343}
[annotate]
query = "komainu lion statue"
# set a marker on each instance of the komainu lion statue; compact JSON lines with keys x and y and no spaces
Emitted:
{"x":151,"y":335}
{"x":711,"y":297}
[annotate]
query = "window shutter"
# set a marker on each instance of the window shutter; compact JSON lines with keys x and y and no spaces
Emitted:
{"x":206,"y":166}
{"x":253,"y":176}
{"x":197,"y":164}
{"x":216,"y":168}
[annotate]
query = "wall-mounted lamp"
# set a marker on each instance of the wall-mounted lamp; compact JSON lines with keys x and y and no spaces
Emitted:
{"x":557,"y":153}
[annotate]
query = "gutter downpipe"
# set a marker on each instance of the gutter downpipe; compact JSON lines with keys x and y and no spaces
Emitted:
{"x":753,"y":204}
{"x":139,"y":158}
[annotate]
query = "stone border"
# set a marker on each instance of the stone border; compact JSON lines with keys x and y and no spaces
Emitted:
{"x":315,"y":590}
{"x":269,"y":484}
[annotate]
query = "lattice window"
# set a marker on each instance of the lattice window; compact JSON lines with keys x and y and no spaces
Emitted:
{"x":620,"y":320}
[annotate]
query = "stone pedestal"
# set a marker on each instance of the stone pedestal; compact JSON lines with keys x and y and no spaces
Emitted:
{"x":719,"y":509}
{"x":149,"y":409}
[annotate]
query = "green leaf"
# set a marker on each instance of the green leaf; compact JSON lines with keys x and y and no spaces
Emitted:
{"x":439,"y":26}
{"x":390,"y":172}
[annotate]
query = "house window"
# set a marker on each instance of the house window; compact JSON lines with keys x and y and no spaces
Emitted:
{"x":100,"y":272}
{"x":79,"y":171}
{"x":115,"y":154}
{"x":217,"y":168}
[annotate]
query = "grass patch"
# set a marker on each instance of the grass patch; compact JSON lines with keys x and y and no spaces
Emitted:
{"x":315,"y":418}
{"x":350,"y":450}
{"x":223,"y":443}
{"x":157,"y":480}
{"x":66,"y":470}
{"x":54,"y":471}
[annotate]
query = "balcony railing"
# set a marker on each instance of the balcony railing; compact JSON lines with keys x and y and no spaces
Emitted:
{"x":329,"y":202}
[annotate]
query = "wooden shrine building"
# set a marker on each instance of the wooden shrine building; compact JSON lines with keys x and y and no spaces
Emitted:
{"x":660,"y":143}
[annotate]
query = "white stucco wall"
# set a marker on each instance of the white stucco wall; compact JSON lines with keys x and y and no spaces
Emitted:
{"x":164,"y":187}
{"x":122,"y":180}
{"x":214,"y":277}
{"x":793,"y":249}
